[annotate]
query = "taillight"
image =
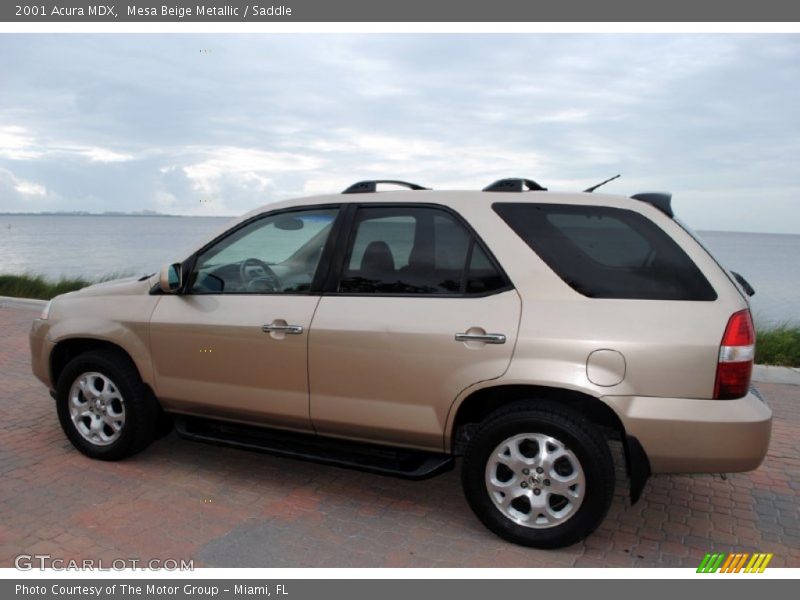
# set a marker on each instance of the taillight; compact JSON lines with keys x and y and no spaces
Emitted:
{"x":736,"y":353}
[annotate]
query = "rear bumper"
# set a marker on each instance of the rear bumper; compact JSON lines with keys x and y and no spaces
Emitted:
{"x":683,"y":435}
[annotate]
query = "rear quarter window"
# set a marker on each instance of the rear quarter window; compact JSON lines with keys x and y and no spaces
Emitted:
{"x":607,"y":252}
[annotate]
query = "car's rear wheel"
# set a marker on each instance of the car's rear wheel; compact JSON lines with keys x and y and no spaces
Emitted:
{"x":539,"y":475}
{"x":103,"y":406}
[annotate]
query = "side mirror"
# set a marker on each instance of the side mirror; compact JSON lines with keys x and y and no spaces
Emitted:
{"x":170,"y":278}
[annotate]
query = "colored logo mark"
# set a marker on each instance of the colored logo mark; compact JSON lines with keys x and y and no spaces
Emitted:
{"x":719,"y":562}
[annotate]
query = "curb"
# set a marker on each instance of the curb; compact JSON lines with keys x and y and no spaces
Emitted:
{"x":9,"y":301}
{"x":770,"y":374}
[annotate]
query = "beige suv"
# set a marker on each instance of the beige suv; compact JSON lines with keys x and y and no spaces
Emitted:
{"x":394,"y":331}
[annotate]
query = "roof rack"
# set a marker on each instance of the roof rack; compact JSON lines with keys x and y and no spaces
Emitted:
{"x":367,"y":187}
{"x":514,"y":185}
{"x":661,"y":200}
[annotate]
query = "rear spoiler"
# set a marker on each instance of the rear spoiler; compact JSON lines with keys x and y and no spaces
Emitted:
{"x":661,"y":200}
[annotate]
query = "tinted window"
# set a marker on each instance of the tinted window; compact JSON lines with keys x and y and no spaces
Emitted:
{"x":415,"y":251}
{"x":396,"y":231}
{"x":606,"y":239}
{"x":605,"y":252}
{"x":483,"y":277}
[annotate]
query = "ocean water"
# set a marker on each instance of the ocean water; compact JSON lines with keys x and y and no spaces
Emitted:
{"x":770,"y":263}
{"x":96,"y":246}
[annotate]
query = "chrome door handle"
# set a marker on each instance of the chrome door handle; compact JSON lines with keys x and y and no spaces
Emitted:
{"x":272,"y":328}
{"x":487,"y":338}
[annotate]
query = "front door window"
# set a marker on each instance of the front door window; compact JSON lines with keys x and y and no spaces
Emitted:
{"x":277,"y":254}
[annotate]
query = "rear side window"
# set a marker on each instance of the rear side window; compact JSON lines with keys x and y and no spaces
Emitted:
{"x":606,"y":252}
{"x":416,"y":250}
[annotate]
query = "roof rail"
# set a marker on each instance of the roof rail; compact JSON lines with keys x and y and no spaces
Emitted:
{"x":366,"y":187}
{"x":514,"y":185}
{"x":661,"y":200}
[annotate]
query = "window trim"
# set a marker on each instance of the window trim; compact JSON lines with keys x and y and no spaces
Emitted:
{"x":188,"y":272}
{"x":349,"y":226}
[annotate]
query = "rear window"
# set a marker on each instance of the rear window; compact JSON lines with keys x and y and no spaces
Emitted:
{"x":606,"y":252}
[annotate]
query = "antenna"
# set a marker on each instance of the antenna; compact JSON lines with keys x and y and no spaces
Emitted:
{"x":594,"y":187}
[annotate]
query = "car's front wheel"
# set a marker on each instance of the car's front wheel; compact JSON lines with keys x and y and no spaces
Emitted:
{"x":539,"y":475}
{"x":103,"y":406}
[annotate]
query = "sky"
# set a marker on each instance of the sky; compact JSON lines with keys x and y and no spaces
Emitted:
{"x":212,"y":124}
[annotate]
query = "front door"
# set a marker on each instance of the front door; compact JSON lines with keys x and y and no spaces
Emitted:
{"x":420,"y":312}
{"x":235,"y":343}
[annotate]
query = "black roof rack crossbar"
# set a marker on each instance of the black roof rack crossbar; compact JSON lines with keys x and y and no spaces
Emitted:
{"x":366,"y":187}
{"x":661,"y":200}
{"x":514,"y":185}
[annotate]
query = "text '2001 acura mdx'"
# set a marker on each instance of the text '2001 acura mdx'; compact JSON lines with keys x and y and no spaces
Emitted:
{"x":517,"y":328}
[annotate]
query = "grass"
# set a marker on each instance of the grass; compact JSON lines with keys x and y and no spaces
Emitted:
{"x":776,"y":345}
{"x":40,"y":288}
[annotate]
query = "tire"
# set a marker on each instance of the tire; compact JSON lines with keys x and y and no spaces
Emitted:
{"x":526,"y":507}
{"x":103,"y":406}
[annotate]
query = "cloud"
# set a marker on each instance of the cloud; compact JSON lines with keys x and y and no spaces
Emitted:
{"x":569,"y":115}
{"x":249,"y":166}
{"x":18,"y":143}
{"x":22,"y":194}
{"x":148,"y":122}
{"x":26,"y":188}
{"x":29,"y":188}
{"x":100,"y":154}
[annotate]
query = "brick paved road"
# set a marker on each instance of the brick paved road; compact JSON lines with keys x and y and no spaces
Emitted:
{"x":225,"y":507}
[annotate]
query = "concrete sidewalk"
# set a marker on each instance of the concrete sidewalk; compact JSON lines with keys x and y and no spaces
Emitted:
{"x":31,"y":303}
{"x":224,"y":507}
{"x":780,"y":375}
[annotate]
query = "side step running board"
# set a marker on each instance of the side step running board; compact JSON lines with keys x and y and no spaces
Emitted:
{"x":384,"y":460}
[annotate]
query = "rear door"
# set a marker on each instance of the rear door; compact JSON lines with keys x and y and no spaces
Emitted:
{"x":419,"y":311}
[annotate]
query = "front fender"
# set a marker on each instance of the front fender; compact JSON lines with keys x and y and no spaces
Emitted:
{"x":122,"y":321}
